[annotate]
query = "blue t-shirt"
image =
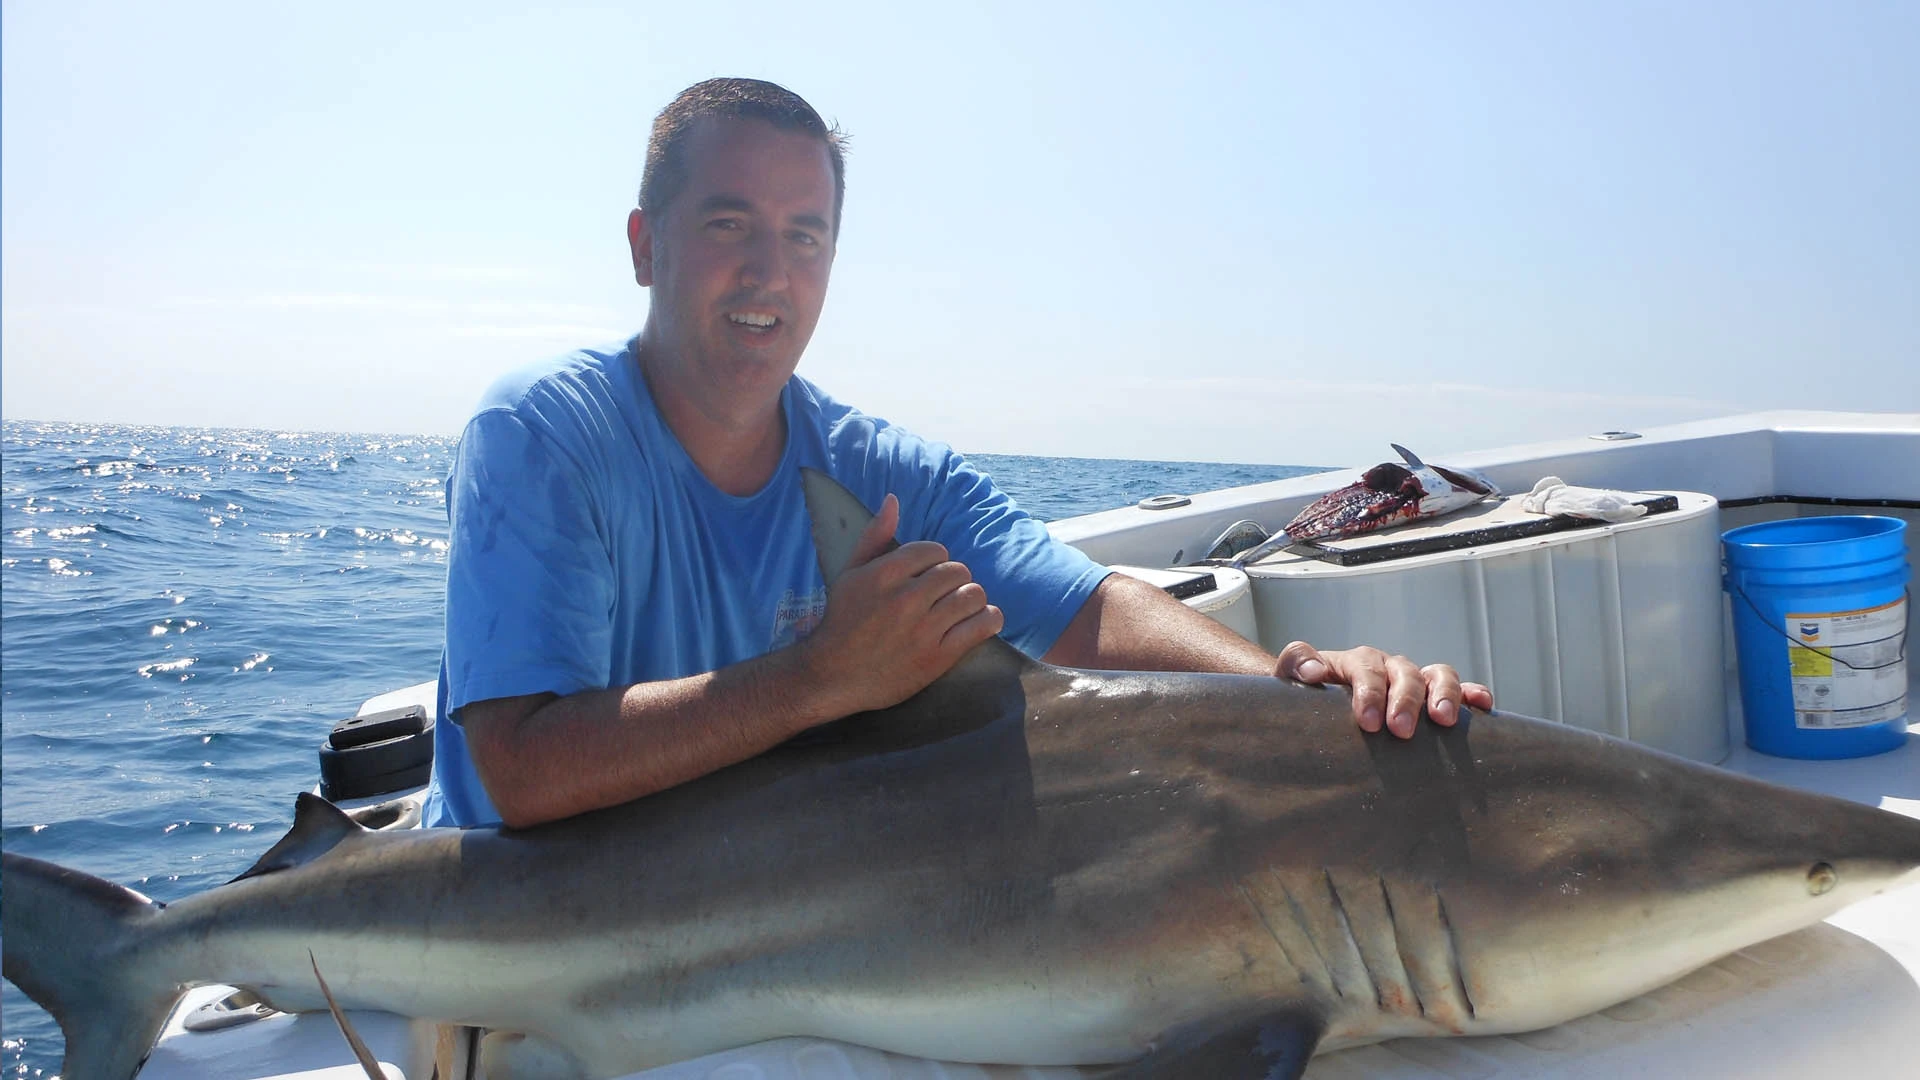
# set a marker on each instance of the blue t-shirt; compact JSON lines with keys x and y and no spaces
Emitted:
{"x":588,"y":551}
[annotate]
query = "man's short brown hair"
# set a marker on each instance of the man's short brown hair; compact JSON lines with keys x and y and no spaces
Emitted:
{"x":731,"y":99}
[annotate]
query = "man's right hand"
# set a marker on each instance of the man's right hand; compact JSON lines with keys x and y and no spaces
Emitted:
{"x":897,"y":619}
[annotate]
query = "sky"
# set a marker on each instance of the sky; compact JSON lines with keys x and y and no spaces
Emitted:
{"x":1282,"y":232}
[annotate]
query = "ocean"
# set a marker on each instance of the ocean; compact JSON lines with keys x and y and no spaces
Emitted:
{"x":184,"y":614}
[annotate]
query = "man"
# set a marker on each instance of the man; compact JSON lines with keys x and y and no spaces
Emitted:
{"x":632,"y":596}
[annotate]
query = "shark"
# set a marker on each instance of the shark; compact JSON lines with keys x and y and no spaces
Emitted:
{"x":1150,"y":875}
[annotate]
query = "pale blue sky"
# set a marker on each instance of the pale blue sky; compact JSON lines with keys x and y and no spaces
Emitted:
{"x":1281,"y":233}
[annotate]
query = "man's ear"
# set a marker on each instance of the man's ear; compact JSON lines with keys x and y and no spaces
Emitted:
{"x":640,"y":242}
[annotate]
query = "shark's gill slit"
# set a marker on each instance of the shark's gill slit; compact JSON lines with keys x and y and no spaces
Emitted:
{"x":1353,"y":939}
{"x":1400,"y":945}
{"x":1306,"y":926}
{"x":1453,"y":954}
{"x":1268,"y":927}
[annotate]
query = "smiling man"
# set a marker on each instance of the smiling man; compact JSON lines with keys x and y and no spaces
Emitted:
{"x":632,"y":595}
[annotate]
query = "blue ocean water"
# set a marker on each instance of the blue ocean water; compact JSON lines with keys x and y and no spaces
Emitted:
{"x":184,"y":613}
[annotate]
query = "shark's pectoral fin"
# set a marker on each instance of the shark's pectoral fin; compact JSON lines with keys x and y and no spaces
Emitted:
{"x":1247,"y":1046}
{"x":318,"y":826}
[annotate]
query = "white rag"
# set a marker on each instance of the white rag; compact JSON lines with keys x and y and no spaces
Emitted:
{"x":1554,"y":496}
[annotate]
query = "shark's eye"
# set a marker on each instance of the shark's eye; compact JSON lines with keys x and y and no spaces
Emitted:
{"x":1822,"y":878}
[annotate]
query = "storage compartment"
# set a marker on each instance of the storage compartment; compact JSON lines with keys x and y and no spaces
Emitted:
{"x":377,"y":754}
{"x":1615,"y":628}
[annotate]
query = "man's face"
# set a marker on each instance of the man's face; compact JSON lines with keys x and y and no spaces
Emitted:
{"x":738,"y":260}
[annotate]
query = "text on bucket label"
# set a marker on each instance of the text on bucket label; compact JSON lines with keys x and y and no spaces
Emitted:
{"x":1849,"y":668}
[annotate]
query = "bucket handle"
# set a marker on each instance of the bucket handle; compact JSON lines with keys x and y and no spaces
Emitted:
{"x":1906,"y":594}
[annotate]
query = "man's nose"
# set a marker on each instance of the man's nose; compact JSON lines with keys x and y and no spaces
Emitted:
{"x":766,"y":262}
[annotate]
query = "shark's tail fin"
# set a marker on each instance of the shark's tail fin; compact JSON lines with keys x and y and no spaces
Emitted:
{"x":65,"y":934}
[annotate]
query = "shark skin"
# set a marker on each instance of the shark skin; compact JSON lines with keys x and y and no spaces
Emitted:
{"x":1171,"y":875}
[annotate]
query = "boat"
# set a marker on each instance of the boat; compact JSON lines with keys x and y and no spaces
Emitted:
{"x":1620,"y":627}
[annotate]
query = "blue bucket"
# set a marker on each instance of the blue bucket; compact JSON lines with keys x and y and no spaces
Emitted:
{"x":1820,"y":624}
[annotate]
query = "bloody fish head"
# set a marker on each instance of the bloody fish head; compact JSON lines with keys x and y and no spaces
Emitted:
{"x":1389,"y":494}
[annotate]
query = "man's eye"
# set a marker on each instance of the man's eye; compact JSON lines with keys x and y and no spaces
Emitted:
{"x":725,"y":224}
{"x":804,"y":239}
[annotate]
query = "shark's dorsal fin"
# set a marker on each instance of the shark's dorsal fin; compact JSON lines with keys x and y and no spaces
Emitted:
{"x":838,"y":518}
{"x":318,"y":826}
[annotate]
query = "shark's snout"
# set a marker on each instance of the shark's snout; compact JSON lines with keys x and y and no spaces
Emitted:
{"x":1835,"y":854}
{"x":1878,"y":854}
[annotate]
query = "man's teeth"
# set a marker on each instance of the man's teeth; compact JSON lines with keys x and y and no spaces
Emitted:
{"x":761,"y":321}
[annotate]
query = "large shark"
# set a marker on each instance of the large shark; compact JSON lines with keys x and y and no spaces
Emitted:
{"x":1171,"y":875}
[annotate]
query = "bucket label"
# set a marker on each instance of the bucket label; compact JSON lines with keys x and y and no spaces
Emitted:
{"x":1848,"y":667}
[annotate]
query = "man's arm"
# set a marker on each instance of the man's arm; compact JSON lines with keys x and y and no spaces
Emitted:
{"x":544,"y":757}
{"x":894,"y":623}
{"x":1129,"y":624}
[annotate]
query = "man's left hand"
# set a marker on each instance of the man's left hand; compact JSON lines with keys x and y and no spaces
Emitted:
{"x":1386,"y":689}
